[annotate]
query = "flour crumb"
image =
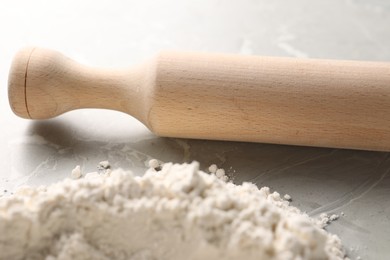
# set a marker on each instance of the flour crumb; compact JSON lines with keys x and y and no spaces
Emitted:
{"x":220,"y":173}
{"x":104,"y":165}
{"x":213,"y":168}
{"x":287,"y":197}
{"x":334,"y":217}
{"x":177,"y":213}
{"x":76,"y":173}
{"x":155,"y":164}
{"x":325,"y":219}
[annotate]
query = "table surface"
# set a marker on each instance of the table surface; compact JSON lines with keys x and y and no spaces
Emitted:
{"x":123,"y":33}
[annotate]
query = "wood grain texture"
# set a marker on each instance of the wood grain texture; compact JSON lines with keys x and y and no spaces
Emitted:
{"x":327,"y":103}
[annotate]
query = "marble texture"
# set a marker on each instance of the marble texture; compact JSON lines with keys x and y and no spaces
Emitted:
{"x":123,"y":33}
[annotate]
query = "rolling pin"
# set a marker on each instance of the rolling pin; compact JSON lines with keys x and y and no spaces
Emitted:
{"x":308,"y":102}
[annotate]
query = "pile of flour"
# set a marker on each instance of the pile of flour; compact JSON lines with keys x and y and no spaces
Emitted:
{"x":178,"y":212}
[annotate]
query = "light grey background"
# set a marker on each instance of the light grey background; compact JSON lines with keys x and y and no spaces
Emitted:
{"x":122,"y":33}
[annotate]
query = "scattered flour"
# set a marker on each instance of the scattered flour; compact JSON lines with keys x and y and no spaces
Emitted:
{"x":178,"y":212}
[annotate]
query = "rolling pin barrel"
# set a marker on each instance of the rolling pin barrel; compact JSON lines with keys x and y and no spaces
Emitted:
{"x":326,"y":103}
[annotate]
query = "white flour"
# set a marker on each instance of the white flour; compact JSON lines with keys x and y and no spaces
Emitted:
{"x":178,"y":212}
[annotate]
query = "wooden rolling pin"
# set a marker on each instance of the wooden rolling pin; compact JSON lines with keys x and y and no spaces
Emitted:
{"x":326,"y":103}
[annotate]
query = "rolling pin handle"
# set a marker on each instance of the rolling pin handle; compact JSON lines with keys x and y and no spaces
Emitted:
{"x":17,"y":83}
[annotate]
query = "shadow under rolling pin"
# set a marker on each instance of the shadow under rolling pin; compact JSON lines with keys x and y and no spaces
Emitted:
{"x":325,"y":103}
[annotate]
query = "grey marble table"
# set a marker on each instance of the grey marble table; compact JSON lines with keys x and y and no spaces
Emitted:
{"x":123,"y":33}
